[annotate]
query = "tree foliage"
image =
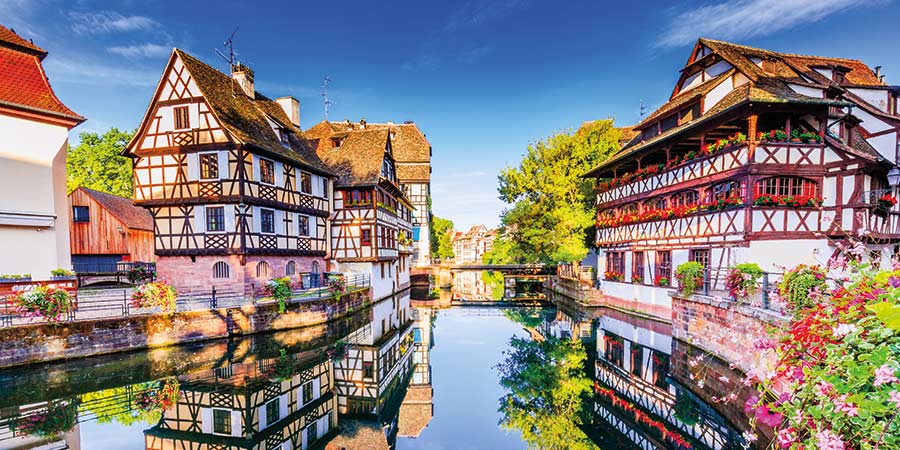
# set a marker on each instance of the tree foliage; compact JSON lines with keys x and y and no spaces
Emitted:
{"x":96,"y":163}
{"x":546,"y":387}
{"x":441,"y":228}
{"x":552,"y":206}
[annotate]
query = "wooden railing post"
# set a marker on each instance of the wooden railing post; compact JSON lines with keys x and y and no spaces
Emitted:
{"x":705,"y":280}
{"x":765,"y":290}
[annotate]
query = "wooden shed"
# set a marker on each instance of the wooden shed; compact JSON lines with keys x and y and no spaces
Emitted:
{"x":106,"y":229}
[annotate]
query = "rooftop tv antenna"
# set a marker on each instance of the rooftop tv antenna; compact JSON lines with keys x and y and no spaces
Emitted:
{"x":328,"y":101}
{"x":643,"y":108}
{"x":231,"y":59}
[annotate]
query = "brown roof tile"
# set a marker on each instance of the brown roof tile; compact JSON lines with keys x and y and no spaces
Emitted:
{"x":416,"y":411}
{"x":413,"y":172}
{"x":123,"y":209}
{"x":408,"y":143}
{"x":357,"y":161}
{"x":9,"y":38}
{"x":246,"y":118}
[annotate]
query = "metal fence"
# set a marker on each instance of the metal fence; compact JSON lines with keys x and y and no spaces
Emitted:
{"x":715,"y":279}
{"x":90,"y":304}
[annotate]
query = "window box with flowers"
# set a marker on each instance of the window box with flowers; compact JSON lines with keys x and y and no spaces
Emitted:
{"x":662,"y":281}
{"x":637,"y":278}
{"x":612,"y":275}
{"x":673,"y":212}
{"x":790,"y":201}
{"x":884,"y":204}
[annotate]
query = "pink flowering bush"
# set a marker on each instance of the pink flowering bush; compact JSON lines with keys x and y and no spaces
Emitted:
{"x":154,"y":294}
{"x":835,"y":384}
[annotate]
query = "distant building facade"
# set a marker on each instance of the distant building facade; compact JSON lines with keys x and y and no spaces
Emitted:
{"x":34,"y":133}
{"x":471,"y":246}
{"x":106,"y":229}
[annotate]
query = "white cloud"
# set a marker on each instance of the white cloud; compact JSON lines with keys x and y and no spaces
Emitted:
{"x":741,"y":19}
{"x":140,"y":50}
{"x":15,"y":14}
{"x":109,"y":22}
{"x":474,"y":13}
{"x":61,"y":69}
{"x":424,"y":62}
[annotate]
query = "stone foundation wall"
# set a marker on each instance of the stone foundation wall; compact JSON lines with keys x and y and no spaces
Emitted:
{"x":195,"y":277}
{"x":721,"y":327}
{"x":49,"y":342}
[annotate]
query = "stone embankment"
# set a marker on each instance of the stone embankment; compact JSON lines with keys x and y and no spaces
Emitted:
{"x":44,"y":342}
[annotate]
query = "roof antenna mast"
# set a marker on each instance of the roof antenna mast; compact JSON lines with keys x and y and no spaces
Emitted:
{"x":231,"y":59}
{"x":643,"y":108}
{"x":328,"y":101}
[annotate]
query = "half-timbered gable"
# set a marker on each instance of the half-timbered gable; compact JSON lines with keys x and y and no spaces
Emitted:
{"x":286,"y":402}
{"x":757,"y":156}
{"x":225,"y":171}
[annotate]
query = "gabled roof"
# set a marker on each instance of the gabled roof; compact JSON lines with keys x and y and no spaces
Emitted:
{"x":358,"y":160}
{"x":416,"y":411}
{"x":122,"y":208}
{"x":411,"y":150}
{"x":247,"y":120}
{"x":23,"y":83}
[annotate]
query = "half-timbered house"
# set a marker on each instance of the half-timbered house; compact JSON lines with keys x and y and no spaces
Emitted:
{"x":284,"y":403}
{"x":371,"y":224}
{"x":236,"y":193}
{"x":417,"y":407}
{"x":106,"y":229}
{"x":371,"y":377}
{"x":34,"y":138}
{"x":757,"y":156}
{"x":412,"y":157}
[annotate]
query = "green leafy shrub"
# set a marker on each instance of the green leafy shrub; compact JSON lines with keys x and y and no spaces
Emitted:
{"x":59,"y":417}
{"x":801,"y":286}
{"x":61,"y":273}
{"x":743,"y":280}
{"x":44,"y":302}
{"x":141,"y":274}
{"x":280,"y":290}
{"x":689,"y":276}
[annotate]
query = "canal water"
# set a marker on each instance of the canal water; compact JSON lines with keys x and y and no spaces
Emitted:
{"x":395,"y":376}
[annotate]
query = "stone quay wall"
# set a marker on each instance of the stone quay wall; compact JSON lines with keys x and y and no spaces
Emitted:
{"x":51,"y":342}
{"x":723,"y":328}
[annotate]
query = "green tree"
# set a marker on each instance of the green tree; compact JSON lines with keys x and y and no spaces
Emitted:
{"x":552,"y":206}
{"x":546,"y":388}
{"x":97,"y":163}
{"x":441,"y":229}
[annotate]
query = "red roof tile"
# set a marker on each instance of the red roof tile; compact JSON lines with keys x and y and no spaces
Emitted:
{"x":23,"y":83}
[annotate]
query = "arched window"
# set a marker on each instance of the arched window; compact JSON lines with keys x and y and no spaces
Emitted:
{"x":220,"y":270}
{"x":784,"y":185}
{"x":315,"y":267}
{"x":684,"y":198}
{"x":724,"y":190}
{"x":262,"y":269}
{"x":655,"y":203}
{"x":631,"y":208}
{"x":290,"y":268}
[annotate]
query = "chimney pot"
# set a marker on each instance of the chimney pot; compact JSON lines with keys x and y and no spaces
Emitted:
{"x":878,"y":72}
{"x":244,"y":76}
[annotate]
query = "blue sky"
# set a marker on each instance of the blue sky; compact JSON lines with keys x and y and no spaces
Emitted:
{"x":482,"y":78}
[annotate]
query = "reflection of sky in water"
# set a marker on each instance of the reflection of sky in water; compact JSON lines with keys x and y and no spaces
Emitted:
{"x":466,"y":386}
{"x":112,"y":436}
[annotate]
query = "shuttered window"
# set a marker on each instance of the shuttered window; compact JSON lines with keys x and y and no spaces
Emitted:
{"x":182,"y":118}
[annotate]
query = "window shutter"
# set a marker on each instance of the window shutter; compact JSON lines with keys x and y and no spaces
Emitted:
{"x":313,"y":226}
{"x":256,"y":221}
{"x":278,"y":218}
{"x":254,"y":166}
{"x":317,"y":389}
{"x":261,"y":413}
{"x":323,"y":425}
{"x":283,"y":406}
{"x":229,"y":218}
{"x":237,"y":428}
{"x":303,"y":433}
{"x":279,"y":174}
{"x":193,"y":166}
{"x":223,"y":165}
{"x":199,"y":219}
{"x":206,"y":420}
{"x":286,"y":445}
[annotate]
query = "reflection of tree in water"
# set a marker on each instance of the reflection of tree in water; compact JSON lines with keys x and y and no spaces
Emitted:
{"x":494,"y":281}
{"x":115,"y":405}
{"x":546,"y":387}
{"x":530,"y":317}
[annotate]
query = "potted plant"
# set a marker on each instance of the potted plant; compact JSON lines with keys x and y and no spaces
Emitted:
{"x":795,"y":136}
{"x":153,"y":294}
{"x":690,"y":277}
{"x":662,"y":281}
{"x":743,"y":281}
{"x":61,"y":274}
{"x":637,"y":278}
{"x":44,"y":302}
{"x":15,"y":278}
{"x":280,"y":290}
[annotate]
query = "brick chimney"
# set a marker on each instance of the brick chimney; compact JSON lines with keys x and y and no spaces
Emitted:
{"x":291,"y":107}
{"x":244,"y":76}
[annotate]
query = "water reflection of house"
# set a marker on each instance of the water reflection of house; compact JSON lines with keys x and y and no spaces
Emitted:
{"x":281,"y":403}
{"x":470,"y":285}
{"x":633,"y":362}
{"x":417,"y":407}
{"x":378,"y":360}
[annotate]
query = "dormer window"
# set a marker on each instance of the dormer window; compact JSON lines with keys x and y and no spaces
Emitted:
{"x":336,"y":142}
{"x":285,"y":140}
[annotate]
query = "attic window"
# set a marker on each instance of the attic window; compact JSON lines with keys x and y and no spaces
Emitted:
{"x":284,"y":136}
{"x":336,"y":142}
{"x":768,"y":66}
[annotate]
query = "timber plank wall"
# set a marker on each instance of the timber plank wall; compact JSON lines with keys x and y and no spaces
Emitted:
{"x":40,"y":343}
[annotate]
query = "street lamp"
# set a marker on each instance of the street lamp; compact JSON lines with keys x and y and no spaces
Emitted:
{"x":893,"y":176}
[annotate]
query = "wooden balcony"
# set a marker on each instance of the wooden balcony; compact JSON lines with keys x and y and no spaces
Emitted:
{"x":701,"y":228}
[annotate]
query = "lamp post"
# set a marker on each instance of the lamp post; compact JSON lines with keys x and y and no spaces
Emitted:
{"x":893,"y":177}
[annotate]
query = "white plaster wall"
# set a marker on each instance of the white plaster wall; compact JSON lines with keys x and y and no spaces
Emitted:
{"x":648,"y":295}
{"x":33,"y":180}
{"x":807,"y":91}
{"x":643,"y":336}
{"x":873,"y":124}
{"x":717,"y":69}
{"x":715,"y":95}
{"x":775,"y":255}
{"x":886,"y":145}
{"x":875,"y":97}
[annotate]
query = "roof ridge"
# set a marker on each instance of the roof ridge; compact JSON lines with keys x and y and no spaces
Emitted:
{"x":775,"y":52}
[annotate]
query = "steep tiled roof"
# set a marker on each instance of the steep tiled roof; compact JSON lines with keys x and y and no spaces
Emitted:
{"x":413,"y":171}
{"x":416,"y":411}
{"x":685,"y":97}
{"x":246,"y":118}
{"x":359,"y":434}
{"x":123,"y":209}
{"x":408,"y":143}
{"x":23,"y":83}
{"x":357,"y":161}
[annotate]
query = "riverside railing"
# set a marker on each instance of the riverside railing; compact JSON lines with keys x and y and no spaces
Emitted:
{"x":92,"y":304}
{"x":714,"y":283}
